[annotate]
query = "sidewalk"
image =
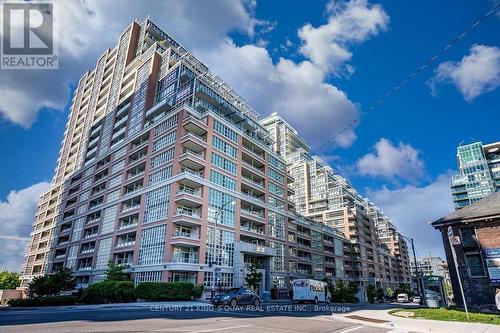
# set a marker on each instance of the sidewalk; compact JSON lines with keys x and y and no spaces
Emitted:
{"x":413,"y":325}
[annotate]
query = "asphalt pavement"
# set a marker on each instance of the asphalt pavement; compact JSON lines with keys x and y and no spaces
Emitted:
{"x":165,"y":317}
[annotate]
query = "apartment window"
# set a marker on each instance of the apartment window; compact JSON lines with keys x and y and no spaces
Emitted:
{"x":152,"y":245}
{"x":276,"y":162}
{"x":217,"y":199}
{"x":224,"y":282}
{"x":118,"y":166}
{"x":160,"y":175}
{"x":108,"y":223}
{"x":224,"y":147}
{"x":225,"y":131}
{"x":167,"y":124}
{"x":223,"y":252}
{"x":77,"y":230}
{"x":276,"y":189}
{"x":164,"y":141}
{"x":156,"y":207}
{"x":275,"y":175}
{"x":276,"y":224}
{"x":278,"y":261}
{"x":222,"y":180}
{"x":223,"y":163}
{"x":104,"y":253}
{"x":113,"y":196}
{"x":115,"y":181}
{"x":276,"y":202}
{"x":147,"y":277}
{"x":162,"y":158}
{"x":87,"y":183}
{"x":120,"y":152}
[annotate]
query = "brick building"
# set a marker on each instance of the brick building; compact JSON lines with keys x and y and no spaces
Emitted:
{"x":476,"y":233}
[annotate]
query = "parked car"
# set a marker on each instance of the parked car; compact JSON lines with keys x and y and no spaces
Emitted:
{"x":237,"y":296}
{"x":416,"y":299}
{"x":403,"y":298}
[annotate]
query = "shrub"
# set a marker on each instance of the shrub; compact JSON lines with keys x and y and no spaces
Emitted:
{"x":167,"y":291}
{"x":62,"y":279}
{"x":109,"y":292}
{"x":44,"y":301}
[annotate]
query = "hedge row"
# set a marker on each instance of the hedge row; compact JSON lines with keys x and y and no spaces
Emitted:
{"x":108,"y":291}
{"x":44,"y":301}
{"x":169,"y":291}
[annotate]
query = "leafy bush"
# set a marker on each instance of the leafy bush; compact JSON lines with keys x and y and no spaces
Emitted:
{"x":344,"y":293}
{"x":9,"y":280}
{"x":44,"y":301}
{"x":167,"y":291}
{"x":60,"y":280}
{"x":109,"y":292}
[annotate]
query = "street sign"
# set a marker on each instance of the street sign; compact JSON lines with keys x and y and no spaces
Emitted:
{"x":455,"y":240}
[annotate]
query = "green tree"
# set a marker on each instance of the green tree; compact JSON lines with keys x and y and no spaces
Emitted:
{"x":115,"y":272}
{"x":253,"y":278}
{"x":36,"y":287}
{"x":371,"y":293}
{"x":9,"y":280}
{"x":404,"y":288}
{"x":389,"y":292}
{"x":62,"y":279}
{"x":380,"y":294}
{"x":352,"y":289}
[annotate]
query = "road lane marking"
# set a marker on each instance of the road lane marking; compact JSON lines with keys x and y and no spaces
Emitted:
{"x":222,"y":329}
{"x":352,"y":329}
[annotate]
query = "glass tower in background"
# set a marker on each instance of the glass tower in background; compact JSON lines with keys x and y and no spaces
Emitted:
{"x":479,"y":173}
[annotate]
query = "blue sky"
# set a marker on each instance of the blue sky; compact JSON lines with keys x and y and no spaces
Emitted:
{"x":400,"y":155}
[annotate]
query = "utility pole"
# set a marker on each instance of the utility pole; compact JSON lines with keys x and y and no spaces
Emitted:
{"x":417,"y":270}
{"x":455,"y":240}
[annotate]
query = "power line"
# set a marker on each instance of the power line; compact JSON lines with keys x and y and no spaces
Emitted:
{"x":411,"y":76}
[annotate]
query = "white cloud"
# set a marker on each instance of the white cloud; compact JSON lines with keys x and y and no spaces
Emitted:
{"x":297,"y":91}
{"x":390,"y":161}
{"x":16,"y":217}
{"x":86,"y":31}
{"x":348,"y":23}
{"x":412,"y":208}
{"x":477,"y":73}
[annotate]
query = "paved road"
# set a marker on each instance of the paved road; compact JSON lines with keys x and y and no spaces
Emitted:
{"x":163,"y":318}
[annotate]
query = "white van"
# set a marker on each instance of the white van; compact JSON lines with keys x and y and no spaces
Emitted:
{"x":403,"y":298}
{"x":308,"y":290}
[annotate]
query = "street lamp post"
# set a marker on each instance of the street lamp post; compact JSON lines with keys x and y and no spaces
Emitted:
{"x":213,"y":263}
{"x":417,"y":271}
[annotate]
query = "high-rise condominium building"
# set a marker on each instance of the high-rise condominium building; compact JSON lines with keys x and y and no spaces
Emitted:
{"x":377,"y":252}
{"x":285,"y":138}
{"x":164,"y":168}
{"x":479,"y":173}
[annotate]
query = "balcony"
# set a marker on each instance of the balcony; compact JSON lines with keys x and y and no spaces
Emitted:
{"x":193,"y":141}
{"x":192,"y":160}
{"x":187,"y":216}
{"x":185,"y":259}
{"x":190,"y":197}
{"x":254,"y":152}
{"x":195,"y":125}
{"x":252,"y":179}
{"x":186,"y":237}
{"x":252,"y":214}
{"x":253,"y":168}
